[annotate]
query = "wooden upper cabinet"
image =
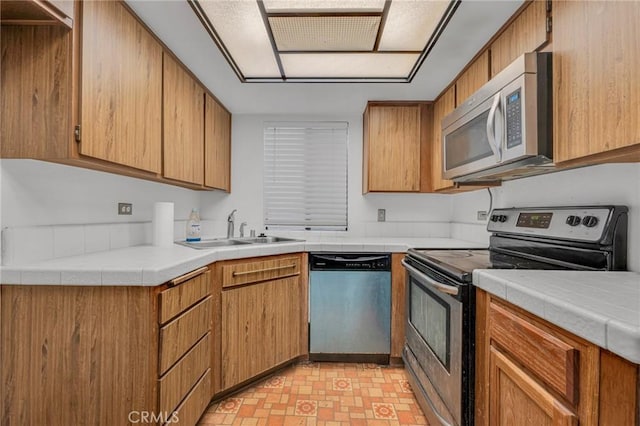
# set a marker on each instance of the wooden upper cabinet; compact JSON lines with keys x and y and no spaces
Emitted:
{"x":443,"y":106}
{"x":474,"y":77}
{"x":37,"y":12}
{"x":596,"y":90}
{"x":121,"y":88}
{"x":527,"y":33}
{"x":35,"y":100}
{"x":394,"y":136}
{"x":183,"y":124}
{"x":217,"y":145}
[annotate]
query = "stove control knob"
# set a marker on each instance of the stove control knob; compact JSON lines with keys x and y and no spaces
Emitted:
{"x":590,"y":221}
{"x":494,"y":218}
{"x":502,"y":218}
{"x":573,"y":220}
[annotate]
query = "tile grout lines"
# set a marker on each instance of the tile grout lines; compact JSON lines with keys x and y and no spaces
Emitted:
{"x":322,"y":394}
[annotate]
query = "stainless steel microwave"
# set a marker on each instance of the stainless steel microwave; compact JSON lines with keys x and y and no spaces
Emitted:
{"x":504,"y":130}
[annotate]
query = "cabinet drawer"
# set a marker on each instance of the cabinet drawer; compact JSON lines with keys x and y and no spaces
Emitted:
{"x":181,"y":378}
{"x":176,"y":299}
{"x":189,"y":412}
{"x":250,"y":272}
{"x":549,"y":358}
{"x":180,"y":334}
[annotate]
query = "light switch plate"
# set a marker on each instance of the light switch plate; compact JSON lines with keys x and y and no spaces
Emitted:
{"x":125,"y":208}
{"x":481,"y":215}
{"x":382,"y":213}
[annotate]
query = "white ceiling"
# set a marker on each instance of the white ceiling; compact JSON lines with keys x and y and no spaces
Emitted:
{"x":174,"y":22}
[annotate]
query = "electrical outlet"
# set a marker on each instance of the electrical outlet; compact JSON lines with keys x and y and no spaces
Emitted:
{"x":125,"y":208}
{"x":382,"y":214}
{"x":482,"y":215}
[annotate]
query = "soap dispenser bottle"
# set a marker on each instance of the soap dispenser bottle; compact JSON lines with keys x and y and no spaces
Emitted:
{"x":193,"y":226}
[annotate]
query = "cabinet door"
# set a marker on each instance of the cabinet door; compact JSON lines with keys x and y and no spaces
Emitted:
{"x":261,"y":328}
{"x":217,"y":145}
{"x":183,"y":124}
{"x":121,"y":92}
{"x":517,"y":399}
{"x":526,"y":33}
{"x":473,"y":78}
{"x":596,"y":90}
{"x":393,"y":148}
{"x":444,"y":105}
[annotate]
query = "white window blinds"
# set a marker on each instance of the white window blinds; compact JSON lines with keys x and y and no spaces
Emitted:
{"x":305,"y":175}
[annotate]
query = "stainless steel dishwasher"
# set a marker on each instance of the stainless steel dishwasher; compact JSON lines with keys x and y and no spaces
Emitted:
{"x":350,"y":307}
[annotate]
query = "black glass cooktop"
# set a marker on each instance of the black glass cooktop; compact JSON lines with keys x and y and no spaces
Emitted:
{"x":460,"y":263}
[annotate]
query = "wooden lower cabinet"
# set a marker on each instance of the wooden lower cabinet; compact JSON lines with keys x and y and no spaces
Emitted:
{"x":530,"y":372}
{"x":92,"y":355}
{"x":263,"y":319}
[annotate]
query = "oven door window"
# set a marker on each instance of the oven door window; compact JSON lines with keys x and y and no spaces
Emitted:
{"x":430,"y":316}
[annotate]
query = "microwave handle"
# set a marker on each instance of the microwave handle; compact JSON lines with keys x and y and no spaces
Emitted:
{"x":491,"y":128}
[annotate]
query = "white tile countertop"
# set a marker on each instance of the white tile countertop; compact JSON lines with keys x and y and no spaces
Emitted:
{"x":151,"y":266}
{"x":601,"y":307}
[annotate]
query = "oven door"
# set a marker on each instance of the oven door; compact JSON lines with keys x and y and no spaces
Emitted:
{"x":434,"y":336}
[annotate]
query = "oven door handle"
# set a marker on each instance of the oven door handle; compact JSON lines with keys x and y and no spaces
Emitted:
{"x":444,"y":288}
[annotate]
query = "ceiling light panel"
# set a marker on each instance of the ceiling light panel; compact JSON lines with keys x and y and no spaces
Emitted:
{"x":241,"y":29}
{"x":348,"y":65}
{"x":410,"y":24}
{"x":325,"y":33}
{"x":317,"y":6}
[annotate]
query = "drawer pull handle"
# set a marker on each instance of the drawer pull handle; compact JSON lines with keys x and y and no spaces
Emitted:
{"x":255,"y":271}
{"x":188,"y":276}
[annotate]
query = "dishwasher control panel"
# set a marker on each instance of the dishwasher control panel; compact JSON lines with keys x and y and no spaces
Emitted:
{"x":350,"y":261}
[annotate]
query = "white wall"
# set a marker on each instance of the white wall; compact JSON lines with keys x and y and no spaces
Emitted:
{"x":51,"y":210}
{"x":603,"y":184}
{"x":406,"y":214}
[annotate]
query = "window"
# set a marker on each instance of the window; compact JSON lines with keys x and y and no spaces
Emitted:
{"x":305,"y":175}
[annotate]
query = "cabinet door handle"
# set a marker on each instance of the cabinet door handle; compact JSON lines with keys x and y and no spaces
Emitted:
{"x":188,"y":276}
{"x":256,"y":271}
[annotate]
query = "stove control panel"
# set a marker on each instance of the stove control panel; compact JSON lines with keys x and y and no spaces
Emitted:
{"x":575,"y":223}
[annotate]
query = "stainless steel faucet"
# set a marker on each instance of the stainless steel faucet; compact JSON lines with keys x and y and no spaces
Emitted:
{"x":242,"y":225}
{"x":230,"y":223}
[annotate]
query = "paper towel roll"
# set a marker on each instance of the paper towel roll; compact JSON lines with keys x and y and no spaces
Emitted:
{"x":163,"y":224}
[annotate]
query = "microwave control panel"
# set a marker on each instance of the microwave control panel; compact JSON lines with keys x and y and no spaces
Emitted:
{"x":513,"y":115}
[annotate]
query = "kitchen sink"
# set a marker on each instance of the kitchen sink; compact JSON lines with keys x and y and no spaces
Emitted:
{"x":217,"y":242}
{"x":226,"y":242}
{"x":268,"y":240}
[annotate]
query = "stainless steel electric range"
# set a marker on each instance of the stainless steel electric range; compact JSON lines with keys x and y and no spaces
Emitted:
{"x":440,"y":344}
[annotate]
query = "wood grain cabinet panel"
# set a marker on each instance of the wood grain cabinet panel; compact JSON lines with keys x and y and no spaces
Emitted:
{"x":217,"y":145}
{"x":183,"y":124}
{"x":263,"y":324}
{"x":262,"y":270}
{"x":189,"y":412}
{"x":474,"y":77}
{"x":531,"y":372}
{"x":177,"y":299}
{"x":443,"y":106}
{"x":35,"y":100}
{"x":527,"y":33}
{"x":260,"y":328}
{"x":36,"y":12}
{"x":77,"y":355}
{"x":596,"y":96}
{"x":528,"y":403}
{"x":121,"y":90}
{"x":395,"y":137}
{"x":180,"y":334}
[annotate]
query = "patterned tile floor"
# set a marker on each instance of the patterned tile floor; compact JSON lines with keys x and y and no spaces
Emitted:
{"x":322,"y":394}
